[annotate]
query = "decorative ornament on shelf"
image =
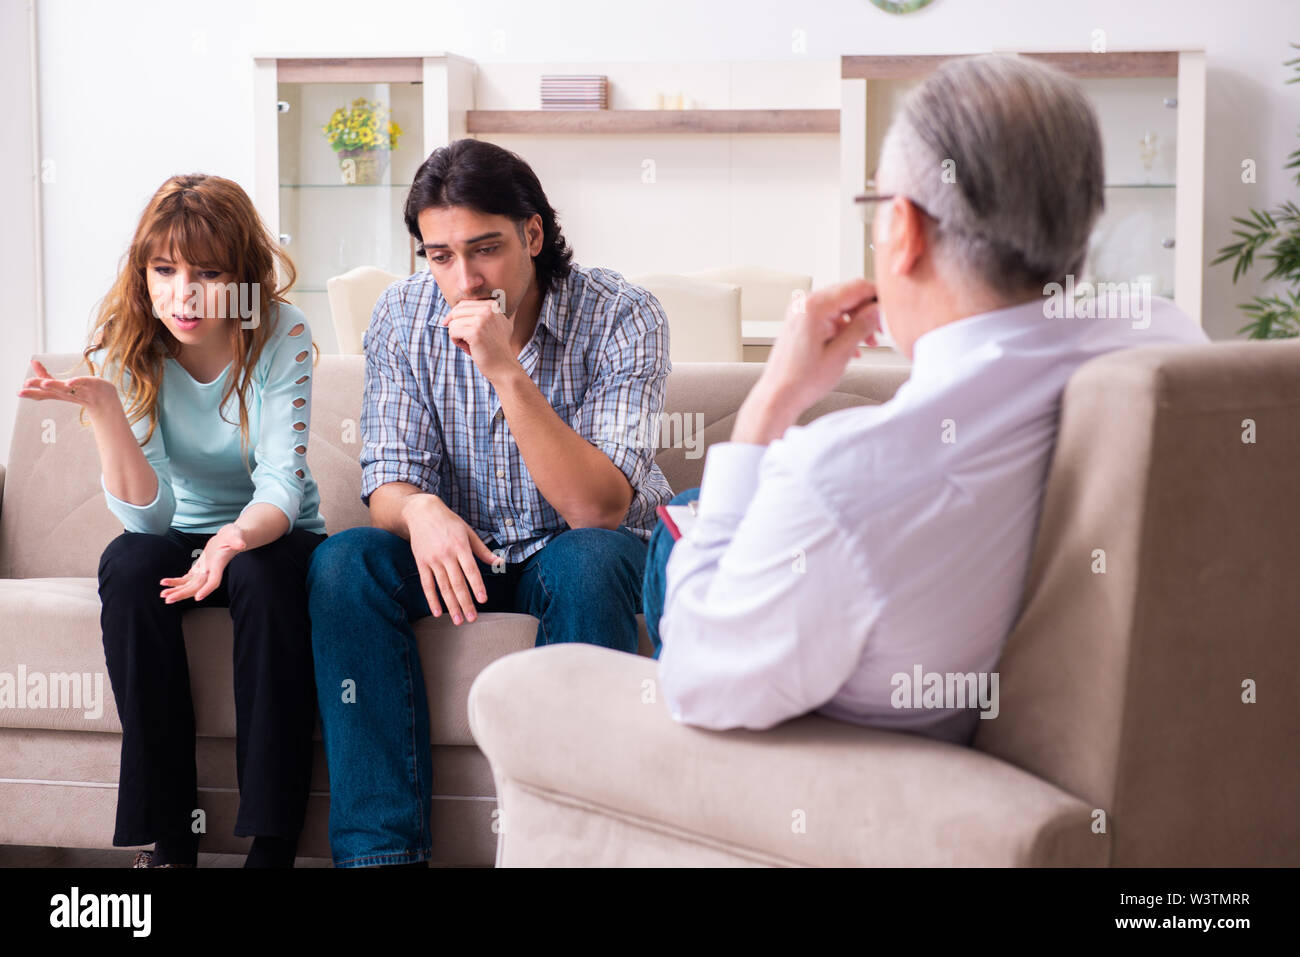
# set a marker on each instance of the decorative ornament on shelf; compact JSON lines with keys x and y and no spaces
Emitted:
{"x":362,"y":134}
{"x":900,"y":6}
{"x":674,"y":101}
{"x":1148,"y":150}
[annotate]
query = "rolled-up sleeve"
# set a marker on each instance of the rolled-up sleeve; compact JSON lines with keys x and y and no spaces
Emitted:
{"x":621,"y":411}
{"x":156,"y":517}
{"x":280,"y":475}
{"x":399,"y":440}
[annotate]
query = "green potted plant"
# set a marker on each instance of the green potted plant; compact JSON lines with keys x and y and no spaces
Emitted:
{"x":362,"y":135}
{"x":1276,"y":232}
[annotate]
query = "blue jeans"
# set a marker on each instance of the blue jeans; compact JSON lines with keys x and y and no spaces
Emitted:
{"x":363,"y":593}
{"x":655,"y":583}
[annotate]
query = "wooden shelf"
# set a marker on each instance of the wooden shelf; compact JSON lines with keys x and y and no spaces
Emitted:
{"x":1146,"y":63}
{"x":349,"y":70}
{"x":653,"y":121}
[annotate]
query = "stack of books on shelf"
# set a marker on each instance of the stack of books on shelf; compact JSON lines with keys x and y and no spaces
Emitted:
{"x":586,"y":92}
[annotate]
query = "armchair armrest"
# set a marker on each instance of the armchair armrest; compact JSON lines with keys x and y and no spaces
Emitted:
{"x":581,"y":727}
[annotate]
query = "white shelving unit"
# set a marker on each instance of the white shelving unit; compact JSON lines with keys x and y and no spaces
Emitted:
{"x":762,"y":168}
{"x":1154,"y":219}
{"x":330,"y":225}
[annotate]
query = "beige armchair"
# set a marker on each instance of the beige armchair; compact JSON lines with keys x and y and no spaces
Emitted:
{"x":1147,"y":714}
{"x":764,"y":293}
{"x":703,"y":316}
{"x":352,"y":299}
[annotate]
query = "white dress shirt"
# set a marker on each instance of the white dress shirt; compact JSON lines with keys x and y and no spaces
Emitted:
{"x":880,"y":539}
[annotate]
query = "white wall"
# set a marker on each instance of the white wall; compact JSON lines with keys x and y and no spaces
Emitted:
{"x":20,"y":326}
{"x":133,"y":92}
{"x":684,"y":202}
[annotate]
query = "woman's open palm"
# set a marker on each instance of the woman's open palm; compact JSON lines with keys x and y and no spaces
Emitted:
{"x":204,"y":576}
{"x":89,"y":391}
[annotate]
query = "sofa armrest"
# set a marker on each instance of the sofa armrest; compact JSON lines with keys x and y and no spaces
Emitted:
{"x":586,"y":727}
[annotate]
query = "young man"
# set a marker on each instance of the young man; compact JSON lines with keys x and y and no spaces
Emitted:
{"x":504,"y":391}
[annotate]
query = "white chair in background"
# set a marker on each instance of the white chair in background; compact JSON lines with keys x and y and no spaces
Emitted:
{"x":352,"y":299}
{"x":765,"y":293}
{"x":703,"y":317}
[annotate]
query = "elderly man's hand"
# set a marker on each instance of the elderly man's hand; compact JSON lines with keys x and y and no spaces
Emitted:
{"x":819,"y":336}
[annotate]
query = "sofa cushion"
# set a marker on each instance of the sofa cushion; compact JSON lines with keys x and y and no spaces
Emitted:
{"x":53,"y":640}
{"x":809,"y":791}
{"x":702,"y":399}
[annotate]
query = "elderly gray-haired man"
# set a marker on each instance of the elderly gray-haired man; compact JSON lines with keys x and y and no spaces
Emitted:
{"x":831,"y":566}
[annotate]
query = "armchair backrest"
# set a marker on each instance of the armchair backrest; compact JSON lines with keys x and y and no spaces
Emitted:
{"x":1161,"y":598}
{"x":352,"y":298}
{"x":703,"y":317}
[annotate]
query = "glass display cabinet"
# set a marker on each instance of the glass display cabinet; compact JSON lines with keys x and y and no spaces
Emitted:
{"x":1151,"y":106}
{"x":337,"y":159}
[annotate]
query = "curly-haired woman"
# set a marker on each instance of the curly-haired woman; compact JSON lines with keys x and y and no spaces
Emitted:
{"x":201,"y":417}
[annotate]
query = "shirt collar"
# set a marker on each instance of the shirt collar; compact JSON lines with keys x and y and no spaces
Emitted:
{"x":941,"y":348}
{"x":550,"y":315}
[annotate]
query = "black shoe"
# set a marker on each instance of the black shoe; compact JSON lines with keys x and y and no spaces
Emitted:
{"x":145,"y":859}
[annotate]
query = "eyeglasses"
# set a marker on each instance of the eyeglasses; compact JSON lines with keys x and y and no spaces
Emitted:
{"x":870,"y":203}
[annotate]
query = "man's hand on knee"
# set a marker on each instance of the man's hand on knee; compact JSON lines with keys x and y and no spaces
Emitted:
{"x":445,"y":548}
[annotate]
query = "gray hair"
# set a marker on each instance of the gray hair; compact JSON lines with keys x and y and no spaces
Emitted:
{"x":1005,"y":153}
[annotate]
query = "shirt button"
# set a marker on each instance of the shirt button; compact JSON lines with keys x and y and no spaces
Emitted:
{"x":510,"y":521}
{"x":501,"y":473}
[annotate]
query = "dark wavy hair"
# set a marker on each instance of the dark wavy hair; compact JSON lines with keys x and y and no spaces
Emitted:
{"x":484,"y":177}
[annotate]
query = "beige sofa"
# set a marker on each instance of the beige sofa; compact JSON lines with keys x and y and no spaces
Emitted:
{"x":58,"y":765}
{"x":1149,"y":714}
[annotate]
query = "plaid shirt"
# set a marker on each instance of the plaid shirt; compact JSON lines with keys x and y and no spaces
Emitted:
{"x":600,"y":357}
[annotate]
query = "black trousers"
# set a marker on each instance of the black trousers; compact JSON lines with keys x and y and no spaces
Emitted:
{"x":275,"y":690}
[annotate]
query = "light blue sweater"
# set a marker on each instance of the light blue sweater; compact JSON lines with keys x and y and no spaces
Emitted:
{"x":202,"y":481}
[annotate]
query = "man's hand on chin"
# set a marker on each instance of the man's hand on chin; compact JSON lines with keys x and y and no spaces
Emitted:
{"x":482,"y":331}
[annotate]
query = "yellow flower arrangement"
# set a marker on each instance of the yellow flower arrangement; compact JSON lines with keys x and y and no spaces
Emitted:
{"x":362,"y":126}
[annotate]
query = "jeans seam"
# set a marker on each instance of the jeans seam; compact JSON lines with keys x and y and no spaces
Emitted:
{"x":412,"y":744}
{"x":546,"y":592}
{"x":402,"y":584}
{"x":376,"y":857}
{"x":413,"y":751}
